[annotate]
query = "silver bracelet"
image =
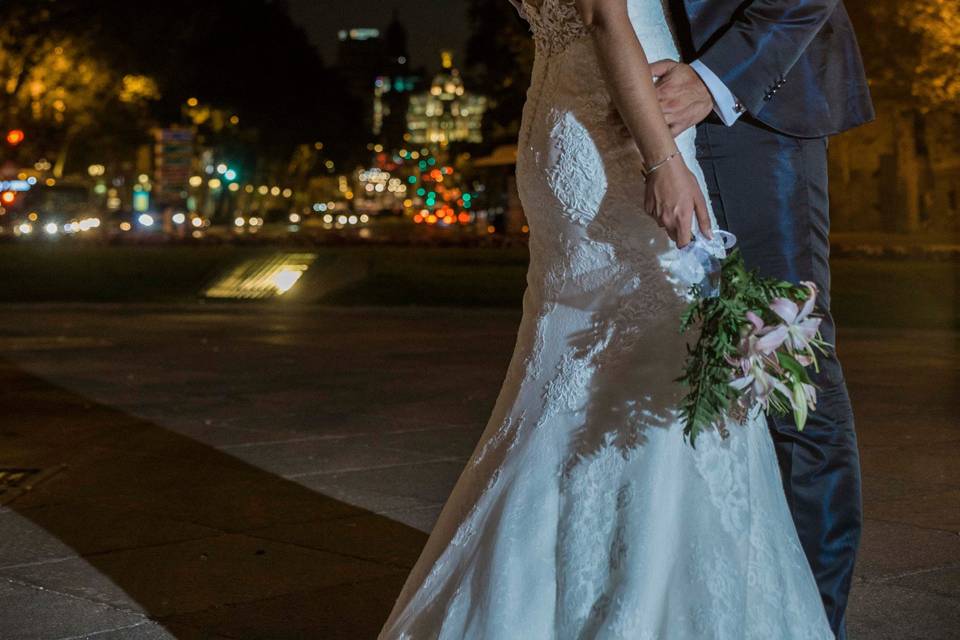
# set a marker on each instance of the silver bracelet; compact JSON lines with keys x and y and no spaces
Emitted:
{"x":646,"y":171}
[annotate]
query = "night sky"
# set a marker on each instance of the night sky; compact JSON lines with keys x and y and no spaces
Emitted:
{"x":432,"y":24}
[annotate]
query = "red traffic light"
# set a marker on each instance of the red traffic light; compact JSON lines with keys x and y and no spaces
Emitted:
{"x":15,"y":137}
{"x":7,"y":197}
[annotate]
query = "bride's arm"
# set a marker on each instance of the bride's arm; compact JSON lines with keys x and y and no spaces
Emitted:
{"x":673,"y":194}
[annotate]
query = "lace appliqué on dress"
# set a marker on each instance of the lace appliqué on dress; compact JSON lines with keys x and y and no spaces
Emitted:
{"x":555,"y":24}
{"x":575,"y":169}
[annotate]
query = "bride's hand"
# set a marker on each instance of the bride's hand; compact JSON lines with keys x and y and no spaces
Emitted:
{"x":672,"y":197}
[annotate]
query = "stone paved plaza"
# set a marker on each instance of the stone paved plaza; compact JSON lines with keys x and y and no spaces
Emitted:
{"x":234,"y":471}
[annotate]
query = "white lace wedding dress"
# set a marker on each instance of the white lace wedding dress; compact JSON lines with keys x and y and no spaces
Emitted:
{"x":582,"y":513}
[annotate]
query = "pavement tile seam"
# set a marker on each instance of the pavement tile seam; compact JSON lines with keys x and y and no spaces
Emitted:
{"x":26,"y":511}
{"x":332,"y":519}
{"x":929,"y":487}
{"x":106,"y":602}
{"x":27,"y":584}
{"x":246,"y":602}
{"x":428,"y":507}
{"x":38,"y":563}
{"x":313,"y":474}
{"x":420,"y":451}
{"x":147,"y":621}
{"x":217,"y":529}
{"x":229,"y":463}
{"x":326,"y":549}
{"x":165,"y":514}
{"x":86,"y":636}
{"x":215,"y":533}
{"x":350,"y":436}
{"x":911,"y":524}
{"x":96,"y":453}
{"x":426,"y":422}
{"x":232,"y":605}
{"x":901,"y":446}
{"x":913,"y":572}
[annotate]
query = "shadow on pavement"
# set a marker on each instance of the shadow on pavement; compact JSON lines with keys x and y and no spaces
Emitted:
{"x":145,"y":522}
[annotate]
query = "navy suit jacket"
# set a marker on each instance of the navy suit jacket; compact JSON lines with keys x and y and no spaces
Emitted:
{"x":794,"y":65}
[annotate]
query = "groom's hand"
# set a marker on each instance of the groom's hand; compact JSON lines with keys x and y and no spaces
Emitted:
{"x":684,"y":98}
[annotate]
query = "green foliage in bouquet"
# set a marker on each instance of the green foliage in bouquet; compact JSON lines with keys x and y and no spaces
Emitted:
{"x":728,"y":335}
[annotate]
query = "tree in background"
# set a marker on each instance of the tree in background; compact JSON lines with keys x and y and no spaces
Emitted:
{"x":245,"y":58}
{"x":57,"y":87}
{"x":499,"y":61}
{"x":916,"y":91}
{"x":936,"y":23}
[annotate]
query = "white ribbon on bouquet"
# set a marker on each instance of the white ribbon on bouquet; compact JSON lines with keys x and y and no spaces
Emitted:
{"x":698,"y":263}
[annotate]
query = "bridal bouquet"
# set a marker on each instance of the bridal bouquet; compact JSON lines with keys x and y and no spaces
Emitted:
{"x":758,"y":337}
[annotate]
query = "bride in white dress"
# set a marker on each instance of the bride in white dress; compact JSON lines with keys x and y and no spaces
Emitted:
{"x":582,"y":513}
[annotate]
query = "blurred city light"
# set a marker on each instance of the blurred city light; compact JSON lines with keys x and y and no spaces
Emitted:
{"x":284,"y":279}
{"x":263,"y":277}
{"x":15,"y":137}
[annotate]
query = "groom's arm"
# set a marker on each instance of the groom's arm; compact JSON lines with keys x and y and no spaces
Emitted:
{"x":767,"y":37}
{"x":725,"y":104}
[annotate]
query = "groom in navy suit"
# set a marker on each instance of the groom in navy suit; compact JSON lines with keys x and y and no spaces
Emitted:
{"x":766,"y":82}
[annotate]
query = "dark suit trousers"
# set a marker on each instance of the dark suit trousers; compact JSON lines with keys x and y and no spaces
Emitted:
{"x":771,"y":191}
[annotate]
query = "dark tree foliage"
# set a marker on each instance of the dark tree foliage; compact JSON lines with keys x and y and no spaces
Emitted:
{"x":890,"y":68}
{"x":247,"y":57}
{"x":499,"y":61}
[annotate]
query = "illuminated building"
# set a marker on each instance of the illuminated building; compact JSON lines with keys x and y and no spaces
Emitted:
{"x":446,"y":112}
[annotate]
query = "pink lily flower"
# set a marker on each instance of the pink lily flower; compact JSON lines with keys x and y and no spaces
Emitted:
{"x":755,"y":365}
{"x":770,"y":337}
{"x":799,"y":326}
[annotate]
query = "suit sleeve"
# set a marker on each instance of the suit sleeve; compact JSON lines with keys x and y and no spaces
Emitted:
{"x":725,"y":104}
{"x":762,"y":43}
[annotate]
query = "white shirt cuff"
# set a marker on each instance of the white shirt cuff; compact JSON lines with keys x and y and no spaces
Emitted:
{"x":725,"y":104}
